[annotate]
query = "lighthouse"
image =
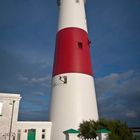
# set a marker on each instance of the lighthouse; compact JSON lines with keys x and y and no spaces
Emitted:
{"x":73,"y":92}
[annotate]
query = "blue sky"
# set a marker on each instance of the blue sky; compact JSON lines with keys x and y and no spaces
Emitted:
{"x":27,"y":40}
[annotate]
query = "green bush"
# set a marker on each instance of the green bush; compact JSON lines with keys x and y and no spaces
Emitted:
{"x":119,"y":130}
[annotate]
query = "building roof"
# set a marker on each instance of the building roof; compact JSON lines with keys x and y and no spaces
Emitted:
{"x":135,"y":129}
{"x":103,"y":131}
{"x":10,"y":96}
{"x":71,"y":131}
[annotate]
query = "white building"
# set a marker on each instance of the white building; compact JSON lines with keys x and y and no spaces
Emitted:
{"x":33,"y":130}
{"x":103,"y":134}
{"x":12,"y":129}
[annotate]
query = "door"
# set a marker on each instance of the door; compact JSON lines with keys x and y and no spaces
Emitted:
{"x":31,"y":134}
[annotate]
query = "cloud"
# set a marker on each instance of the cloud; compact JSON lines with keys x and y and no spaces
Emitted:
{"x":118,"y":82}
{"x":42,"y":80}
{"x":38,"y":93}
{"x":22,"y":78}
{"x":36,"y":115}
{"x":36,"y":102}
{"x":34,"y":105}
{"x":118,"y":96}
{"x":131,"y":114}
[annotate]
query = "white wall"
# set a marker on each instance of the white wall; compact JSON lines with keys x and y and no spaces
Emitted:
{"x":25,"y":126}
{"x":72,"y":102}
{"x":72,"y":14}
{"x":9,"y":105}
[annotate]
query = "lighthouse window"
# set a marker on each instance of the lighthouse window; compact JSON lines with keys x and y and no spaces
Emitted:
{"x":63,"y":79}
{"x":89,"y":43}
{"x":58,"y":2}
{"x":80,"y":45}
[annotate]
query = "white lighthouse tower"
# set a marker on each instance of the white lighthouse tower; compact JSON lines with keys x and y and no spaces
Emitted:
{"x":73,"y":91}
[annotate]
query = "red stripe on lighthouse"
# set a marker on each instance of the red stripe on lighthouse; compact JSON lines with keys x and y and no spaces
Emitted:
{"x":72,"y":52}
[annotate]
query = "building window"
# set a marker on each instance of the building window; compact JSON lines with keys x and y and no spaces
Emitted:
{"x":80,"y":45}
{"x":1,"y":106}
{"x":43,"y":136}
{"x":43,"y":130}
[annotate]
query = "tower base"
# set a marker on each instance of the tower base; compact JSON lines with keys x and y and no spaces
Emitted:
{"x":73,"y":100}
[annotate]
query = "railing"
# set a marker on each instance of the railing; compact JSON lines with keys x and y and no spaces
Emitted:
{"x":5,"y":136}
{"x":97,"y":138}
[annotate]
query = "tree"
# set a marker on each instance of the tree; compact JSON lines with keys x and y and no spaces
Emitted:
{"x":119,"y":130}
{"x":87,"y":129}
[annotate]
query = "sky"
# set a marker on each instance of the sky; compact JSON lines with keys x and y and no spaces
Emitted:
{"x":27,"y":42}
